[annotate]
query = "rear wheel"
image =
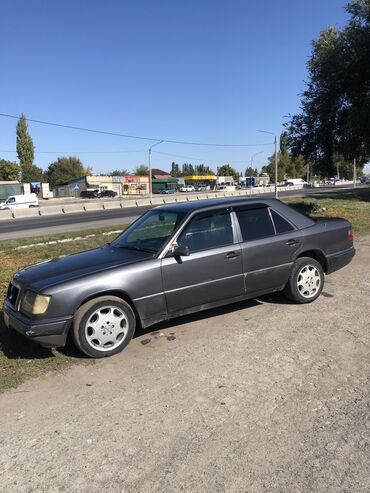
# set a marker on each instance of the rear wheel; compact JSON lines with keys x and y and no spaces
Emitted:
{"x":103,"y":326}
{"x":306,"y":280}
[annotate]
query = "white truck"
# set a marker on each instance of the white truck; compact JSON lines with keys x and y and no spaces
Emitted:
{"x":20,"y":202}
{"x":225,"y":188}
{"x":295,"y":181}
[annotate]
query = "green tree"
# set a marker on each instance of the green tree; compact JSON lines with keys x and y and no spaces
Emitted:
{"x":187,"y":169}
{"x":284,"y":143}
{"x":335,"y":116}
{"x":249,"y":171}
{"x":270,"y":168}
{"x":175,"y":169}
{"x":65,"y":169}
{"x":141,"y":170}
{"x":118,"y":172}
{"x":9,"y":170}
{"x":32,"y":173}
{"x":227,"y":170}
{"x":203,"y":170}
{"x":25,"y":150}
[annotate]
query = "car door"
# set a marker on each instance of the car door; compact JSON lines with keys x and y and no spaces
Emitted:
{"x":213,"y":270}
{"x":269,"y":247}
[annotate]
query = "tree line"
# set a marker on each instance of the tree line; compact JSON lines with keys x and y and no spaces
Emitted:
{"x":332,"y":131}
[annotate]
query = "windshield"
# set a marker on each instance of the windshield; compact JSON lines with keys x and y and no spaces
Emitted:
{"x":150,"y":232}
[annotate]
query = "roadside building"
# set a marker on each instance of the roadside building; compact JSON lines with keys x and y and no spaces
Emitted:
{"x":201,"y":181}
{"x":130,"y":185}
{"x":122,"y":185}
{"x":225,"y":180}
{"x":8,"y":188}
{"x":261,"y":181}
{"x":162,"y":180}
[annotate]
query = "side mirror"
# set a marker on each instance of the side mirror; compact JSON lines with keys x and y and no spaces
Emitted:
{"x":181,"y":251}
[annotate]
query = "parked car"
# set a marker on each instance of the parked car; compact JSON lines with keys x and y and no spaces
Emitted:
{"x":107,"y":193}
{"x":225,"y":188}
{"x":174,"y":260}
{"x":168,"y":190}
{"x":187,"y":188}
{"x":90,"y":194}
{"x":26,"y":201}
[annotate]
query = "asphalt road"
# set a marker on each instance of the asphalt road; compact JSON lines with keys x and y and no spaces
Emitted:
{"x":37,"y":226}
{"x":260,"y":396}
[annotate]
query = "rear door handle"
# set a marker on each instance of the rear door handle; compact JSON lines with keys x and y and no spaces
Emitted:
{"x":292,"y":242}
{"x":232,"y":254}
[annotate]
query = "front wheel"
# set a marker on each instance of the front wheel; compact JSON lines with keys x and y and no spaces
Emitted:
{"x":306,"y":281}
{"x":103,"y":326}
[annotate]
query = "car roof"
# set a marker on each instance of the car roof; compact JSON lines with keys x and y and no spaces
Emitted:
{"x":298,"y":219}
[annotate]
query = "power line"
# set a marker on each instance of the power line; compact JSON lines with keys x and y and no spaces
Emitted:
{"x":168,"y":141}
{"x":79,"y":152}
{"x":199,"y":158}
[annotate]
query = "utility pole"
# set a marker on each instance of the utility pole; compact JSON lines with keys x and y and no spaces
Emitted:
{"x":308,"y":172}
{"x":354,"y":173}
{"x":251,"y":166}
{"x":276,"y":168}
{"x":276,"y":160}
{"x":150,"y":167}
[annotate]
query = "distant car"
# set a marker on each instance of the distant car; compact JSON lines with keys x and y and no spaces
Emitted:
{"x":295,"y":181}
{"x":20,"y":202}
{"x":168,"y":190}
{"x":201,"y":188}
{"x":187,"y":188}
{"x":90,"y":194}
{"x":174,"y":260}
{"x":108,"y":193}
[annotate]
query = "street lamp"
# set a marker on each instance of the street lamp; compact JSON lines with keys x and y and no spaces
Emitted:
{"x":150,"y":166}
{"x":276,"y":161}
{"x":251,"y":166}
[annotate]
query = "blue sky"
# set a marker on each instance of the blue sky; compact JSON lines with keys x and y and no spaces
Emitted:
{"x":191,"y":70}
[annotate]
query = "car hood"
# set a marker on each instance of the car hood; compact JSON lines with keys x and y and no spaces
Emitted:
{"x":61,"y":269}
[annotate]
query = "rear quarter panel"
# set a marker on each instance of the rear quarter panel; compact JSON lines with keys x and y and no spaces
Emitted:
{"x":330,"y":235}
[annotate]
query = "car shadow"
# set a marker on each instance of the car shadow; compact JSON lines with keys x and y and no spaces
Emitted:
{"x":274,"y":298}
{"x":15,"y":346}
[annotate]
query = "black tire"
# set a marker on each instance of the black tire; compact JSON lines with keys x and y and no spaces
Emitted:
{"x":305,"y":292}
{"x":106,"y":317}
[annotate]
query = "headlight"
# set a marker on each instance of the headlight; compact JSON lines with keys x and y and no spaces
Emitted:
{"x":34,"y":303}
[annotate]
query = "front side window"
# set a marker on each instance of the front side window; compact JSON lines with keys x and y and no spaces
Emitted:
{"x":150,"y":232}
{"x":255,"y":223}
{"x":207,"y":230}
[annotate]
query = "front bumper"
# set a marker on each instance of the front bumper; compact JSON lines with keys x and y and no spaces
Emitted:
{"x":338,"y":260}
{"x":48,"y":332}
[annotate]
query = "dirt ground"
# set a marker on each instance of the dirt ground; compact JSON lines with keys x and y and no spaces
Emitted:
{"x":260,"y":396}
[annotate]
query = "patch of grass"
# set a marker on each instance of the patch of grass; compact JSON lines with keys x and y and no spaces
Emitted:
{"x":21,"y":359}
{"x":353,"y":206}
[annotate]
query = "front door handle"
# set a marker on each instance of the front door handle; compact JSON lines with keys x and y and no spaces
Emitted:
{"x":292,"y":242}
{"x":232,"y":254}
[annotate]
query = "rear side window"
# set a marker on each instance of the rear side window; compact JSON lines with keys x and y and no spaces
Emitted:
{"x":206,"y":231}
{"x":255,"y":223}
{"x":281,"y":224}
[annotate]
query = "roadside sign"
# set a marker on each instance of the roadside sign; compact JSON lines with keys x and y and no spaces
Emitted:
{"x":77,"y":186}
